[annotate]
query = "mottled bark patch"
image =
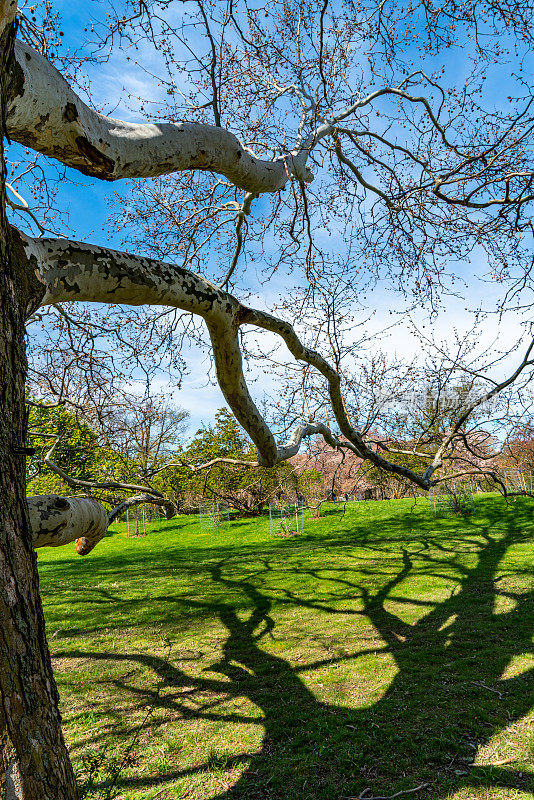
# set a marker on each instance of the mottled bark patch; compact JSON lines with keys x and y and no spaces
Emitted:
{"x":15,"y":87}
{"x":102,"y":165}
{"x":30,"y":289}
{"x":70,"y":114}
{"x":43,"y":119}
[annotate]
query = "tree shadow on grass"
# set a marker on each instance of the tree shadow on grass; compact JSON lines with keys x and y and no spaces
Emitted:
{"x":447,"y":699}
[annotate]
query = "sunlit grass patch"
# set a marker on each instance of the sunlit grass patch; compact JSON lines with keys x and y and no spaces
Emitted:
{"x":383,"y":648}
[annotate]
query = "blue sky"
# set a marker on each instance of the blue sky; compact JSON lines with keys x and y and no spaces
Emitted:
{"x":88,"y":202}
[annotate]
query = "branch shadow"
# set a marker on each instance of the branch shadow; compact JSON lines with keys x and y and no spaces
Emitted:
{"x":442,"y":705}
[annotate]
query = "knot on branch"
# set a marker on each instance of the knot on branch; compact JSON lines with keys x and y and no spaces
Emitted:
{"x":296,"y":166}
{"x":302,"y":172}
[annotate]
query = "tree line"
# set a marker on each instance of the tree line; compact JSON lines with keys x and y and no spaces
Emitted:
{"x":144,"y":441}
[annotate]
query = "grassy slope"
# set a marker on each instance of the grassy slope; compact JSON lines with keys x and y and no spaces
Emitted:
{"x":384,"y":649}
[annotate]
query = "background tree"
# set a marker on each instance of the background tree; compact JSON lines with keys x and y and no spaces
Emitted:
{"x":108,"y":458}
{"x":77,"y":452}
{"x":517,"y":459}
{"x":246,"y":488}
{"x":143,"y":433}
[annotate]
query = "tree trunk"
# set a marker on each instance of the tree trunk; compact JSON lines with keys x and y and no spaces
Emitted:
{"x":34,"y":763}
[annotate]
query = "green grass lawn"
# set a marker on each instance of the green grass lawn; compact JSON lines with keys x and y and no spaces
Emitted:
{"x":386,"y":648}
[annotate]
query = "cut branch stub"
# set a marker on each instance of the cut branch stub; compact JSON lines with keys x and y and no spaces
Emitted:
{"x":56,"y":521}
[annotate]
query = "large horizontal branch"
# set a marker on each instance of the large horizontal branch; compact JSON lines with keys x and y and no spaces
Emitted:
{"x":45,"y":113}
{"x":71,"y":271}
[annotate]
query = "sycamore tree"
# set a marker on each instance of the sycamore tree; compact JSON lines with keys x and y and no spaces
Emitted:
{"x":292,"y":123}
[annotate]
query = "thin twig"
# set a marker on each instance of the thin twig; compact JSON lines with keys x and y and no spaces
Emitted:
{"x":365,"y":796}
{"x":483,"y":685}
{"x":499,"y":763}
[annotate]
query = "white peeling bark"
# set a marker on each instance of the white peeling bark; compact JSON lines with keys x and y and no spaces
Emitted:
{"x":72,"y":271}
{"x":231,"y":379}
{"x":46,"y":114}
{"x":304,"y":432}
{"x":56,"y":521}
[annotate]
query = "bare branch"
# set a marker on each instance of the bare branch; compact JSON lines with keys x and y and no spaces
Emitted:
{"x":142,"y":499}
{"x":76,"y":483}
{"x":438,"y":458}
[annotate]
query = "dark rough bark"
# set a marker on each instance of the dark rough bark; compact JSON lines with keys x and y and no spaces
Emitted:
{"x":34,"y":763}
